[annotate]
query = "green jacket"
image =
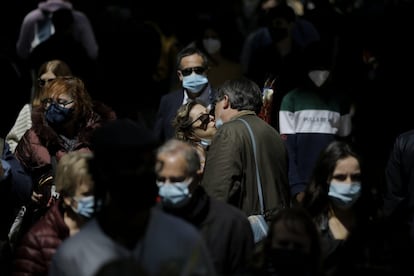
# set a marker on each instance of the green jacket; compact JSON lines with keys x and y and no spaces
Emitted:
{"x":230,"y":172}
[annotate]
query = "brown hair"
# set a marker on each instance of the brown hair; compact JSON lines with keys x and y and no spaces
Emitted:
{"x":58,"y":68}
{"x":73,"y":86}
{"x":182,"y":121}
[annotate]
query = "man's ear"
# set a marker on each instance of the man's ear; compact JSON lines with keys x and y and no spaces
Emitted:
{"x":179,"y":75}
{"x":200,"y":173}
{"x":226,"y":103}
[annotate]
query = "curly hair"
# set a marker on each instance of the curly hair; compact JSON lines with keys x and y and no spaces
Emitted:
{"x":182,"y":121}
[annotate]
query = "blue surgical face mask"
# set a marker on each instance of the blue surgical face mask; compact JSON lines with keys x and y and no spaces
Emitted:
{"x":219,"y":123}
{"x":344,"y":195}
{"x":205,"y":142}
{"x":57,"y":114}
{"x":85,"y":206}
{"x":174,"y":194}
{"x":194,"y":82}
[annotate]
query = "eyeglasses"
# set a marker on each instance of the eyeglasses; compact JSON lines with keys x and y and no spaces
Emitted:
{"x":188,"y":71}
{"x":62,"y":103}
{"x":204,"y":118}
{"x":42,"y":82}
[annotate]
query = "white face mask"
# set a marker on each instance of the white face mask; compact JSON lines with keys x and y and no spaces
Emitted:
{"x":212,"y":45}
{"x":319,"y":77}
{"x":344,"y":195}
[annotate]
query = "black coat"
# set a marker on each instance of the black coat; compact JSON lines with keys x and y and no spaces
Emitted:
{"x":225,"y":229}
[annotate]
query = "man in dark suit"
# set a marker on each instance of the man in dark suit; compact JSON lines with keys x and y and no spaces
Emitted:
{"x":192,"y":68}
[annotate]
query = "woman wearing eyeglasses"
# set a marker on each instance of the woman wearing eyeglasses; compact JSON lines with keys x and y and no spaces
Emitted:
{"x":47,"y":71}
{"x":62,"y":123}
{"x":194,"y":124}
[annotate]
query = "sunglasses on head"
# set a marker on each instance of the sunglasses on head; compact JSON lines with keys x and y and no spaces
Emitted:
{"x":188,"y":71}
{"x":42,"y":82}
{"x":204,"y":118}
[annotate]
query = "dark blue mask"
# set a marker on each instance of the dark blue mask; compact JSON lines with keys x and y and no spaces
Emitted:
{"x":57,"y":114}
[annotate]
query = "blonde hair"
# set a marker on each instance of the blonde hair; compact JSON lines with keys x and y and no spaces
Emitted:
{"x":72,"y":170}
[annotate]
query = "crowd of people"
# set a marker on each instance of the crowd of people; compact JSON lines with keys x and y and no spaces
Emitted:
{"x":145,"y":145}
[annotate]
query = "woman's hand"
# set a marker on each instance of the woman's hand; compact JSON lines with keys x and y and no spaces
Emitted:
{"x":36,"y":198}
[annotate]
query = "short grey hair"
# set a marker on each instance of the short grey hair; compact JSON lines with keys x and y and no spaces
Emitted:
{"x":174,"y":146}
{"x":243,"y":93}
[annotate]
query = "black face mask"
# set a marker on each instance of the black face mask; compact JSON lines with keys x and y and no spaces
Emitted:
{"x":278,"y":34}
{"x":290,"y":262}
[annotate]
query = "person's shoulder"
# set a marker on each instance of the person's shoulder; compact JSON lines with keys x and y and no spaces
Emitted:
{"x":89,"y":232}
{"x":304,"y":22}
{"x":230,"y":218}
{"x":405,"y":141}
{"x":229,"y":130}
{"x":26,"y":107}
{"x":227,"y":209}
{"x":306,"y":27}
{"x":233,"y":130}
{"x":104,"y":110}
{"x":174,"y":230}
{"x":298,"y":92}
{"x":173,"y":94}
{"x":174,"y":224}
{"x":79,"y":15}
{"x":172,"y":98}
{"x":259,"y":33}
{"x":407,"y":134}
{"x":33,"y":16}
{"x":298,"y":95}
{"x":47,"y":231}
